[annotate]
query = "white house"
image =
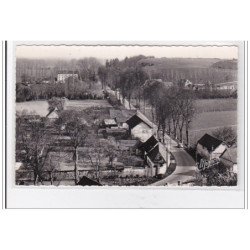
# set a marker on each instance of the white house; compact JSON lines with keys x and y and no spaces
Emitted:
{"x":209,"y":147}
{"x":141,"y":127}
{"x":158,"y":159}
{"x":232,"y":86}
{"x":62,"y":76}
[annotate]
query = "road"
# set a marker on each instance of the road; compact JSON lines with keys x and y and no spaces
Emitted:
{"x":185,"y":164}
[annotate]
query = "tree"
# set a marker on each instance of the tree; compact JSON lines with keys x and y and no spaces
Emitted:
{"x":216,"y":176}
{"x":56,"y":103}
{"x":36,"y":144}
{"x":103,"y":75}
{"x":226,"y":134}
{"x":187,"y":111}
{"x":77,"y":132}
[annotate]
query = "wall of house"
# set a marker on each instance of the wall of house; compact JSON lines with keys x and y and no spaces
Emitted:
{"x":202,"y":151}
{"x":215,"y":154}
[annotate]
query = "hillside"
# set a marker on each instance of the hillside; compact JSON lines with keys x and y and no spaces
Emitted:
{"x":178,"y":63}
{"x":226,"y":64}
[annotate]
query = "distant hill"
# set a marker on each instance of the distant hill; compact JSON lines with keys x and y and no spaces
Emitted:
{"x":226,"y":64}
{"x":178,"y":63}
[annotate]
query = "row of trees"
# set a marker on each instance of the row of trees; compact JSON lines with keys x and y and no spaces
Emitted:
{"x":35,"y":70}
{"x":172,"y":108}
{"x":70,"y":89}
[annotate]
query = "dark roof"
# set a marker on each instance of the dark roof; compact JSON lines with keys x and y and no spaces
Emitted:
{"x":137,"y":119}
{"x":85,"y":181}
{"x":149,"y":144}
{"x":155,"y":154}
{"x":209,"y":142}
{"x":134,"y":121}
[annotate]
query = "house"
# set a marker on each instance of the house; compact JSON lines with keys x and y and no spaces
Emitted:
{"x":109,"y":123}
{"x":141,"y":127}
{"x":209,"y":147}
{"x":185,"y":83}
{"x":63,"y":75}
{"x":85,"y":181}
{"x":121,"y":116}
{"x":148,"y":145}
{"x":158,"y":159}
{"x":229,"y":158}
{"x":53,"y":114}
{"x":230,"y":86}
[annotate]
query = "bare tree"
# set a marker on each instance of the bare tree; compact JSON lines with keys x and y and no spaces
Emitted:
{"x":226,"y":134}
{"x":77,"y":132}
{"x":35,"y":144}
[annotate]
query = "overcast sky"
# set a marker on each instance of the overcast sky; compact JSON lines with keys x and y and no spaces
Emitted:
{"x":120,"y":52}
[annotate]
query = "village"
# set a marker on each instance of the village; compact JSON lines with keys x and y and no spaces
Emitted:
{"x":113,"y":143}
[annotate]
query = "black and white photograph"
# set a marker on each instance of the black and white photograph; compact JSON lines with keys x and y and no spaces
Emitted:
{"x":126,"y":115}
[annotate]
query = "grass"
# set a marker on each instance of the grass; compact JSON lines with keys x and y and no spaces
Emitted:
{"x":208,"y":105}
{"x":41,"y":107}
{"x":208,"y":122}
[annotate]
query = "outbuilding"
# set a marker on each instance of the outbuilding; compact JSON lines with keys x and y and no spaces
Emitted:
{"x":209,"y":147}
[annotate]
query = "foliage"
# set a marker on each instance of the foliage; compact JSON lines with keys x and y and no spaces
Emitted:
{"x":226,"y":134}
{"x":216,"y":176}
{"x":56,"y":103}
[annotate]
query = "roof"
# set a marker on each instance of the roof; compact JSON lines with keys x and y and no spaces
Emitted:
{"x":52,"y":113}
{"x":156,"y":154}
{"x":230,"y":154}
{"x":85,"y":181}
{"x":127,"y":143}
{"x":67,"y":72}
{"x":226,"y":83}
{"x":121,"y":115}
{"x":209,"y":142}
{"x":149,"y":144}
{"x":137,"y":119}
{"x":109,"y":122}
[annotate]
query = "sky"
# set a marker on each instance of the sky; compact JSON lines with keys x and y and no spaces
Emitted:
{"x":120,"y":52}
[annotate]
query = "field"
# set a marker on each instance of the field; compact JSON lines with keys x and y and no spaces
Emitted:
{"x":207,"y":122}
{"x":41,"y":107}
{"x":207,"y":105}
{"x":211,"y":114}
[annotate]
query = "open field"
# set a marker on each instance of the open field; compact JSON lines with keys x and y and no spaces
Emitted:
{"x":207,"y":105}
{"x":41,"y":107}
{"x":207,"y":122}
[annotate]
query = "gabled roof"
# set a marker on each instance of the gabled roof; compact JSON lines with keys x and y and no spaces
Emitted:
{"x":209,"y":142}
{"x":230,"y":154}
{"x":137,"y":119}
{"x":121,"y":115}
{"x":52,"y":112}
{"x":149,"y":144}
{"x":156,"y":155}
{"x":85,"y":181}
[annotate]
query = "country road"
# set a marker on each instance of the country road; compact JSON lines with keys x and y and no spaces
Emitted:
{"x":185,"y":164}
